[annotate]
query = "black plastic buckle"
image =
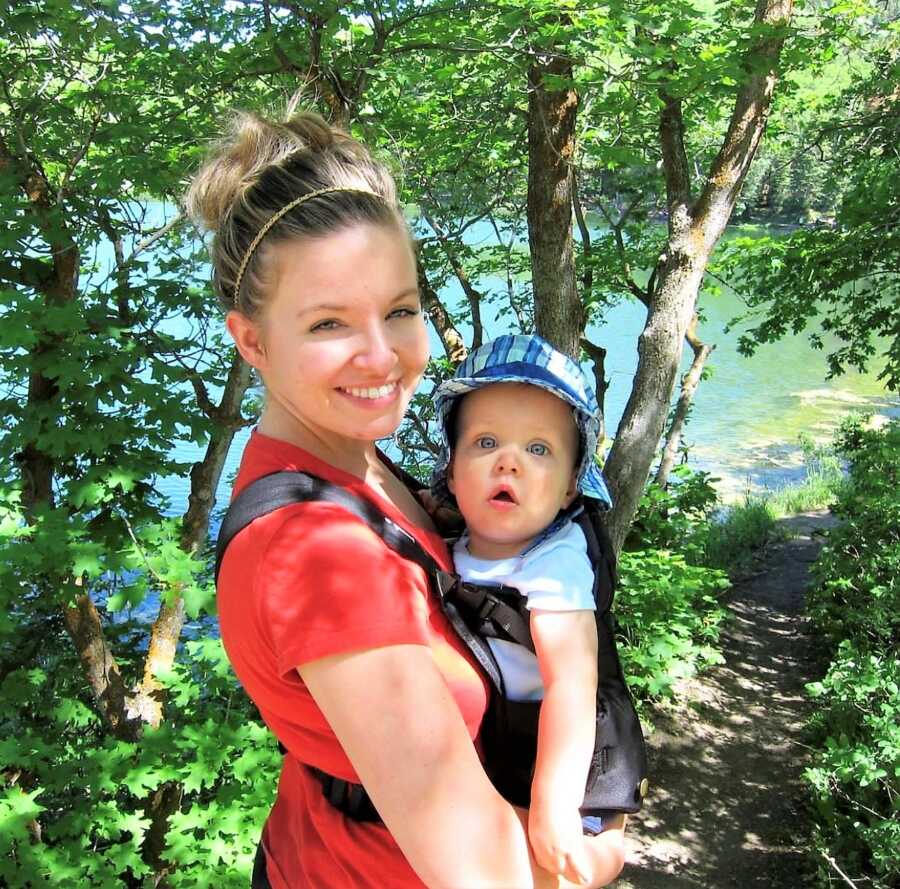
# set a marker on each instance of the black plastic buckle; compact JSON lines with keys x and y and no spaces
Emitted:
{"x":486,"y":609}
{"x":446,"y":584}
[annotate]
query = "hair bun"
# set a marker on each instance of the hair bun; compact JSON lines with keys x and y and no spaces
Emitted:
{"x":247,"y":187}
{"x":250,"y":144}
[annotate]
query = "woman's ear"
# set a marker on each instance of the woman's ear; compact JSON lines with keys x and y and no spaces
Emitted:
{"x":247,"y":339}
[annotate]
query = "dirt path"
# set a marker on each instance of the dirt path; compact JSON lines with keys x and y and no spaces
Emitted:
{"x":725,"y":769}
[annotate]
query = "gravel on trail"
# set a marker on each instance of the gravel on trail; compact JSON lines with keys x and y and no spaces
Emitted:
{"x":726,"y":757}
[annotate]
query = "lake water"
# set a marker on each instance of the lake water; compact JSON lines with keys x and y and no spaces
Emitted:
{"x":746,"y":420}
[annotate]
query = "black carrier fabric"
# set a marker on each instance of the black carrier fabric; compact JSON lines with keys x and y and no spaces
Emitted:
{"x":617,"y":777}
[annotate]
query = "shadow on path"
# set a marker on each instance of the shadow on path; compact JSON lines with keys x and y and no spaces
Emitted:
{"x":725,"y":765}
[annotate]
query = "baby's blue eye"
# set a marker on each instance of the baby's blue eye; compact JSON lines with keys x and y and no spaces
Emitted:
{"x":538,"y":449}
{"x":486,"y":441}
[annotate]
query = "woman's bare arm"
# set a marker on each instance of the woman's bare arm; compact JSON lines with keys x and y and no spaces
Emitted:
{"x":398,"y":723}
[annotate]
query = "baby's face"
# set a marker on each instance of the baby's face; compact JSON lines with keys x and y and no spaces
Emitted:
{"x":513,"y":465}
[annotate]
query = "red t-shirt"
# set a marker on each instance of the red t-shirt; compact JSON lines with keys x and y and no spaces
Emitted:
{"x":302,"y":583}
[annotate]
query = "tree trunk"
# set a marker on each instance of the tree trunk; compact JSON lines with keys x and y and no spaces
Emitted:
{"x":148,"y":699}
{"x":694,"y":230}
{"x":99,"y":666}
{"x":659,"y":354}
{"x":56,"y":288}
{"x":558,"y":312}
{"x":689,"y":383}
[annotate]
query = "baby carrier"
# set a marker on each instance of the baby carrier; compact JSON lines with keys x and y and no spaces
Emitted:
{"x":617,"y":779}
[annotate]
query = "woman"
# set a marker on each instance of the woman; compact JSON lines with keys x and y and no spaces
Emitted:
{"x":337,"y":639}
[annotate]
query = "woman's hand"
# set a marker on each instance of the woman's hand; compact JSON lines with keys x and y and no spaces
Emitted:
{"x":605,"y":856}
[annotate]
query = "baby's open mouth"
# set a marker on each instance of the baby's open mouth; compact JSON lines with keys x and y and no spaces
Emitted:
{"x":504,"y":497}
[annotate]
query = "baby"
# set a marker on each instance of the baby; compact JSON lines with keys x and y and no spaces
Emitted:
{"x":520,"y":426}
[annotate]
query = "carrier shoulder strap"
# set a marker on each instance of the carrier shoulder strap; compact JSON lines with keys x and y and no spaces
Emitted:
{"x":272,"y":492}
{"x":602,"y":556}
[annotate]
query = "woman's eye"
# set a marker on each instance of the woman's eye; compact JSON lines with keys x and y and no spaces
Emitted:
{"x":486,"y":441}
{"x":538,"y":449}
{"x":404,"y":312}
{"x":324,"y":325}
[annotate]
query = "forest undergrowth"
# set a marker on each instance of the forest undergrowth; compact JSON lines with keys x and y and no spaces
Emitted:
{"x":851,"y":814}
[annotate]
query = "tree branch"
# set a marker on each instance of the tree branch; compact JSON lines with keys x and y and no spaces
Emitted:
{"x":421,"y":428}
{"x":587,"y":280}
{"x":472,"y":295}
{"x":148,"y":699}
{"x":597,"y":354}
{"x":616,"y":228}
{"x":77,"y":159}
{"x":451,"y":340}
{"x":751,"y":111}
{"x":689,"y":383}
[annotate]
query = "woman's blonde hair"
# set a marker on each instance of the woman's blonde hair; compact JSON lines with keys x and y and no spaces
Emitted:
{"x":259,"y":168}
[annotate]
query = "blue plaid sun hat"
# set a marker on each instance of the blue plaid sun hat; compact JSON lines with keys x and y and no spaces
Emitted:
{"x":531,"y":360}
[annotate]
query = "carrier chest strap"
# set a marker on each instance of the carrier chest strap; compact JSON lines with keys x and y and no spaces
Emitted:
{"x":485,"y":603}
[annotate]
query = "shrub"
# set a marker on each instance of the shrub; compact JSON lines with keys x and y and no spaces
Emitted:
{"x":684,"y":517}
{"x":667,"y":518}
{"x":855,"y":773}
{"x":731,"y":540}
{"x":668,"y":614}
{"x":824,"y":477}
{"x":89,"y":789}
{"x":855,"y":605}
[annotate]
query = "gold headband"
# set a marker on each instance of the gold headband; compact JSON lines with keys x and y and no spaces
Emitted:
{"x":276,"y":216}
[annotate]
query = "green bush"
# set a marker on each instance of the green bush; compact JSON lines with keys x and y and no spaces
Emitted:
{"x":685,"y":518}
{"x":89,"y":790}
{"x":856,"y":770}
{"x":824,"y":478}
{"x":731,"y":541}
{"x":668,"y":518}
{"x":668,"y":605}
{"x":669,"y":615}
{"x":855,"y":606}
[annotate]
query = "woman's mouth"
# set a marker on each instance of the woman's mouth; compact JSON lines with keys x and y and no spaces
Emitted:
{"x":372,"y":396}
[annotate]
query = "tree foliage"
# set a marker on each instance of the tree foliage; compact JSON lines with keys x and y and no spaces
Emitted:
{"x":129,"y":755}
{"x":845,"y":275}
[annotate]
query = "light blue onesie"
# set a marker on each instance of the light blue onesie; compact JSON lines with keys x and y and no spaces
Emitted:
{"x":554,"y":574}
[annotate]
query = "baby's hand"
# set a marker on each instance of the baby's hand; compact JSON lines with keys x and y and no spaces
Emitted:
{"x":557,"y":841}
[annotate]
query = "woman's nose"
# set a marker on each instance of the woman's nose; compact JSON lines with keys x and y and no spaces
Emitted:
{"x":376,"y":350}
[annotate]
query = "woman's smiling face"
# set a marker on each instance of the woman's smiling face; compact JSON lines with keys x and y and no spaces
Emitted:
{"x":341,"y":343}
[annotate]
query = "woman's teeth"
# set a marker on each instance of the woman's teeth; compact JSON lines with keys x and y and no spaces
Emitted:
{"x":380,"y":392}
